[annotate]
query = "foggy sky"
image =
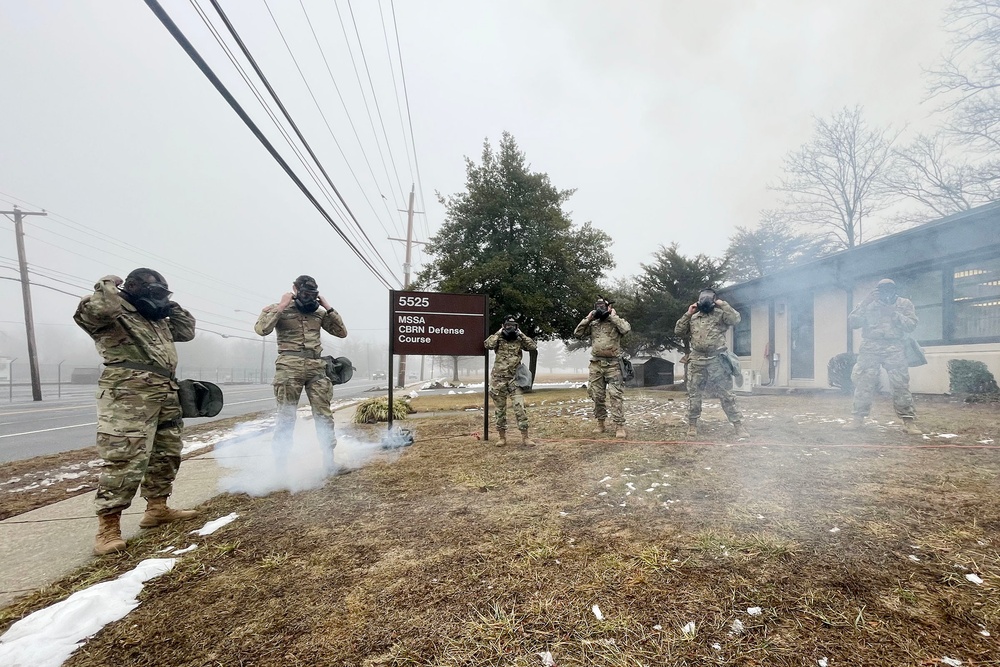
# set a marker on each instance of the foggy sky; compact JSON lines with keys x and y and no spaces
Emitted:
{"x":669,"y":119}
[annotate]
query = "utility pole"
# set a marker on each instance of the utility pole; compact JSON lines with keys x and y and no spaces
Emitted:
{"x":29,"y":322}
{"x":401,"y":377}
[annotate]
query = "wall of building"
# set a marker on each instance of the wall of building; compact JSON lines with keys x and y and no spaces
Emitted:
{"x":933,"y":378}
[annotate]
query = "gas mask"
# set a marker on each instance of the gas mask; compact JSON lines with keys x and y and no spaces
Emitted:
{"x":152,"y":300}
{"x":706,"y":301}
{"x":510,"y":331}
{"x":602,"y":310}
{"x":886,"y":294}
{"x":307,"y":299}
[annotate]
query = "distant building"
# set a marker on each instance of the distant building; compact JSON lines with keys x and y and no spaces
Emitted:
{"x":652,"y":372}
{"x":795,"y":321}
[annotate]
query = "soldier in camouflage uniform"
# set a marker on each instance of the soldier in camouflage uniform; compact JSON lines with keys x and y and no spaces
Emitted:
{"x":138,"y":411}
{"x":705,"y":323}
{"x":606,"y":330}
{"x":509,"y":343}
{"x":885,"y":320}
{"x":297,"y":319}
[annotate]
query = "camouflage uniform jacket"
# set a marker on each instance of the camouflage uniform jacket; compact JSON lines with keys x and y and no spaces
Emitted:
{"x":508,"y":354}
{"x":881,"y":321}
{"x":122,"y":334}
{"x":298,"y":331}
{"x":605,"y":335}
{"x":707,"y":331}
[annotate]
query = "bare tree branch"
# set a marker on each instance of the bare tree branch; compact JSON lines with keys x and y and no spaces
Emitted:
{"x":837,"y":179}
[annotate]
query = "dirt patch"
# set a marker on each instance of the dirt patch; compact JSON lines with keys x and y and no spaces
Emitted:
{"x":802,"y":544}
{"x":43,"y":480}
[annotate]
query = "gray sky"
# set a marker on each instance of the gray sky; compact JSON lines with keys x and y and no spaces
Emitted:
{"x":669,"y":119}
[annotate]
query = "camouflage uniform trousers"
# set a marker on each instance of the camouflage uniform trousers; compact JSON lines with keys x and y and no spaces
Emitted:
{"x":874,"y":355}
{"x":291,"y":376}
{"x":139,"y":438}
{"x":500,"y":391}
{"x":707,"y":375}
{"x":606,"y":380}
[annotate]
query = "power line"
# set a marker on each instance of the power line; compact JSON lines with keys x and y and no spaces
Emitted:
{"x":274,"y":119}
{"x":159,"y":12}
{"x":69,"y":222}
{"x":54,"y":289}
{"x":395,"y":89}
{"x":364,"y":98}
{"x":409,"y":117}
{"x":378,"y":109}
{"x":350,"y":120}
{"x":295,"y":128}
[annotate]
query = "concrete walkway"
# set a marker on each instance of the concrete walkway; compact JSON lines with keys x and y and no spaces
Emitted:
{"x":44,"y":545}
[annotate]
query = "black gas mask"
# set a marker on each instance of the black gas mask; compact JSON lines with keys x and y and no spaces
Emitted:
{"x":307,"y":299}
{"x":886,"y":293}
{"x":706,"y":301}
{"x":602,"y":310}
{"x":151,"y":300}
{"x":509,"y":331}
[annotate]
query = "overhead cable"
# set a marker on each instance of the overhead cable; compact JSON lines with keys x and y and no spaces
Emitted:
{"x":168,"y":23}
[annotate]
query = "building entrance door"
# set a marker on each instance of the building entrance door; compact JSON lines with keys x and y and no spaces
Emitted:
{"x":802,"y":337}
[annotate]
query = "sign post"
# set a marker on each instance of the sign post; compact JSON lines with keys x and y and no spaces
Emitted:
{"x":422,"y":323}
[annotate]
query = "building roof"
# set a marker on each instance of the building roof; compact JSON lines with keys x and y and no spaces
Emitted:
{"x":976,"y":231}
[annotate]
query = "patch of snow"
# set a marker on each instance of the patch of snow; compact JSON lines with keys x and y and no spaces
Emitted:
{"x":547,"y":660}
{"x":77,"y":488}
{"x":187,"y":549}
{"x":974,"y":578}
{"x":48,"y":637}
{"x":951,"y":661}
{"x":987,"y":441}
{"x":657,"y":627}
{"x":984,"y":633}
{"x":947,"y":435}
{"x":605,"y":479}
{"x":822,"y":662}
{"x":913,"y":558}
{"x":688,"y":629}
{"x":754,"y":611}
{"x":736,"y":628}
{"x":213,"y":526}
{"x":835,"y":530}
{"x":717,"y":646}
{"x":597,"y":612}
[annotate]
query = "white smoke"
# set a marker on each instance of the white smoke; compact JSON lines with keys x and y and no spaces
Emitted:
{"x":252,"y":467}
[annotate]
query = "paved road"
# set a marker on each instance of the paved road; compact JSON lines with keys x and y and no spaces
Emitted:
{"x":29,"y":429}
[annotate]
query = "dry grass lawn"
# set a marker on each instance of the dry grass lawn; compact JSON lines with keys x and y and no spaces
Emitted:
{"x":854,"y":548}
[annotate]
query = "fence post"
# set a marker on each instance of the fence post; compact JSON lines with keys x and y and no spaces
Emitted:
{"x":59,"y":378}
{"x":10,"y":381}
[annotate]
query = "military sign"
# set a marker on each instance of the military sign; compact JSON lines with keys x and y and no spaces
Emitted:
{"x":439,"y":324}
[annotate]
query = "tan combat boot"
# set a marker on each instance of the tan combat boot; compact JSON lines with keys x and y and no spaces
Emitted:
{"x":501,"y":437}
{"x":910,"y":428}
{"x":856,"y":424}
{"x":601,"y":428}
{"x":692,"y":431}
{"x":741,"y":431}
{"x":157,"y":513}
{"x":525,"y":440}
{"x":620,"y":432}
{"x":109,"y":534}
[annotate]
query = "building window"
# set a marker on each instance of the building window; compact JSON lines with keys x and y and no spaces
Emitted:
{"x":926,"y":291}
{"x":741,"y":334}
{"x":976,"y":300}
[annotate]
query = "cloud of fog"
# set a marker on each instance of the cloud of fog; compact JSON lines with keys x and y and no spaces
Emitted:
{"x":252,"y":467}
